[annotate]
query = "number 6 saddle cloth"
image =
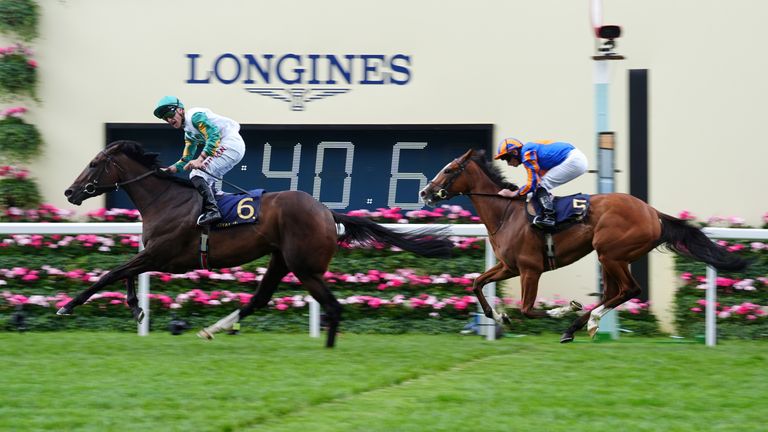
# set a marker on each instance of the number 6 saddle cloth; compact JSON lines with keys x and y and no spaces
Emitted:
{"x":568,"y":210}
{"x":238,"y":208}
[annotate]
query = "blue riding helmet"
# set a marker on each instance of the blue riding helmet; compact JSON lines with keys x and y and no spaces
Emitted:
{"x":166,"y":104}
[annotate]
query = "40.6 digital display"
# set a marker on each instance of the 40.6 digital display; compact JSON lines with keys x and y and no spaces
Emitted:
{"x":345,"y":167}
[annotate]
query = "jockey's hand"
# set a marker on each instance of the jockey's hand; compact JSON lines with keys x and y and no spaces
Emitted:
{"x":508,"y":193}
{"x":194,"y":164}
{"x":171,"y":169}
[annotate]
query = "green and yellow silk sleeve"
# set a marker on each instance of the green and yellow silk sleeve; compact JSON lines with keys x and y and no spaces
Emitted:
{"x":209,"y":131}
{"x":186,"y":155}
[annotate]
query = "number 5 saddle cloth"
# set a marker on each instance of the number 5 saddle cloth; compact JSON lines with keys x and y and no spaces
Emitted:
{"x":568,"y":210}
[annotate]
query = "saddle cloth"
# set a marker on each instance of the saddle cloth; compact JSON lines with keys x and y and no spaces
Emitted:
{"x":238,"y":208}
{"x":568,"y":209}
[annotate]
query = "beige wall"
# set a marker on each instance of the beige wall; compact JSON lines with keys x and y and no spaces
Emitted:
{"x":524,"y":66}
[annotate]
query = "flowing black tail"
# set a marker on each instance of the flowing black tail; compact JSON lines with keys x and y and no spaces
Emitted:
{"x":431,"y":243}
{"x":689,"y":241}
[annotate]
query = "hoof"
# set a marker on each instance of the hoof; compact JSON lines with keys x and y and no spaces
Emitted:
{"x":506,"y":320}
{"x":593,"y":331}
{"x":204,"y":334}
{"x":138,"y":315}
{"x":64,"y":311}
{"x":576,"y":306}
{"x":567,"y":337}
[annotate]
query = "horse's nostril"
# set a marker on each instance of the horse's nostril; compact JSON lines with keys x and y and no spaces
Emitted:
{"x":67,"y":193}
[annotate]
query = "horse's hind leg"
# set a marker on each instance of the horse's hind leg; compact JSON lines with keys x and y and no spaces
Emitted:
{"x":133,"y":300}
{"x":274,"y":274}
{"x":316,"y":286}
{"x":624,"y":287}
{"x":610,"y":290}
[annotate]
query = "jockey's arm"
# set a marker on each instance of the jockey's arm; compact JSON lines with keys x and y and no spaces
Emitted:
{"x":209,"y":131}
{"x":530,"y":162}
{"x":186,"y":154}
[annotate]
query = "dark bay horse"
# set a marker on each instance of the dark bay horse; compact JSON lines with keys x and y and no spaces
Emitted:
{"x":297,"y":231}
{"x":619,"y":227}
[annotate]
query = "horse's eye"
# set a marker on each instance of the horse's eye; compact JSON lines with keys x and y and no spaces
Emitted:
{"x":447,"y":171}
{"x":92,"y":165}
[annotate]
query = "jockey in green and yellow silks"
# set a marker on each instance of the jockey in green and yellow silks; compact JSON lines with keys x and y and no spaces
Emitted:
{"x":221,"y":143}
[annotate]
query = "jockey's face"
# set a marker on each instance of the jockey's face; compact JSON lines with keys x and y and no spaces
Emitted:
{"x":512,"y":158}
{"x":177,"y":119}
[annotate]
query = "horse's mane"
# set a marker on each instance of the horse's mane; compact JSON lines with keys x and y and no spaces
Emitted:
{"x":135,"y":151}
{"x":492,"y":171}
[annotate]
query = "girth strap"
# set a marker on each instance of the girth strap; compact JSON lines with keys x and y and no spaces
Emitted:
{"x":204,"y":248}
{"x":549,"y":257}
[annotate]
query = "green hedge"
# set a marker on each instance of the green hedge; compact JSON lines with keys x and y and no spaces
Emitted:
{"x":742,"y":299}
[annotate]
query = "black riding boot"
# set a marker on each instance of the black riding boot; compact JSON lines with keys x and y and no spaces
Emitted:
{"x":547,"y":217}
{"x":210,"y":214}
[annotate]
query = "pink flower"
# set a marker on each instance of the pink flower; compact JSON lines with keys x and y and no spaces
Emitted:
{"x":686,"y":215}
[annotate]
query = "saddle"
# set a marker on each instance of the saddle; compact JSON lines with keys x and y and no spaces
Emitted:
{"x":569,"y":210}
{"x":236,"y":209}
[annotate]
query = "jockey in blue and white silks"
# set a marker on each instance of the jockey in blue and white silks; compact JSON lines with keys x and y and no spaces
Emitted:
{"x":548,"y":165}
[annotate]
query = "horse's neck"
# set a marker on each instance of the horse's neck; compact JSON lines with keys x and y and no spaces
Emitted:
{"x":491,"y":210}
{"x":154,"y":196}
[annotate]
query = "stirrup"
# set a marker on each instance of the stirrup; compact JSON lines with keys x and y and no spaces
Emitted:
{"x":208,"y":218}
{"x":544,"y":221}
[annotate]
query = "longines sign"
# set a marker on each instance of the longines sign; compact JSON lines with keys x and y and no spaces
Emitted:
{"x":299,"y":78}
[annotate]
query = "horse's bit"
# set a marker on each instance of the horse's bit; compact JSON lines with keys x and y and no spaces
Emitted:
{"x":442,"y":190}
{"x":93,"y":188}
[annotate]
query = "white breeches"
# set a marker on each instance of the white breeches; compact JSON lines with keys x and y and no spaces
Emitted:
{"x":573,"y":166}
{"x":230,"y":152}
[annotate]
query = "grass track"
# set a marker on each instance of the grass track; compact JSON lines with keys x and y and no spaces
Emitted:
{"x":271,"y":382}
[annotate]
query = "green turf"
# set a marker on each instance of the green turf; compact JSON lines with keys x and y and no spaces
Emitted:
{"x":271,"y":382}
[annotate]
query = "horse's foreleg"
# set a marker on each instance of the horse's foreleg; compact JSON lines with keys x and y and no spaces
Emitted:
{"x":529,"y":284}
{"x":496,"y":273}
{"x":137,"y":264}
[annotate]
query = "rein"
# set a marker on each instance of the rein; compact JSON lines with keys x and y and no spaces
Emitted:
{"x":442,"y":193}
{"x":93,"y":188}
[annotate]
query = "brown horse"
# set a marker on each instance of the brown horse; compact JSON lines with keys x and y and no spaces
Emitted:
{"x":297,"y":231}
{"x":619,"y":227}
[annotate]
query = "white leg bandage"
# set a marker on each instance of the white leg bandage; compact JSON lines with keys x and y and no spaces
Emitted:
{"x":225,"y":323}
{"x":594,"y":319}
{"x":561,"y":311}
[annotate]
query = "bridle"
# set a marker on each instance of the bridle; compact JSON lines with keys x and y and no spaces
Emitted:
{"x":93,"y":188}
{"x":442,"y":191}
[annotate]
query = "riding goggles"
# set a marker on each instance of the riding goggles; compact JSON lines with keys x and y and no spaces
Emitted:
{"x":168,"y":112}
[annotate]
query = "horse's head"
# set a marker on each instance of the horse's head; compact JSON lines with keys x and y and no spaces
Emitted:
{"x":449,"y":181}
{"x":107,"y":171}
